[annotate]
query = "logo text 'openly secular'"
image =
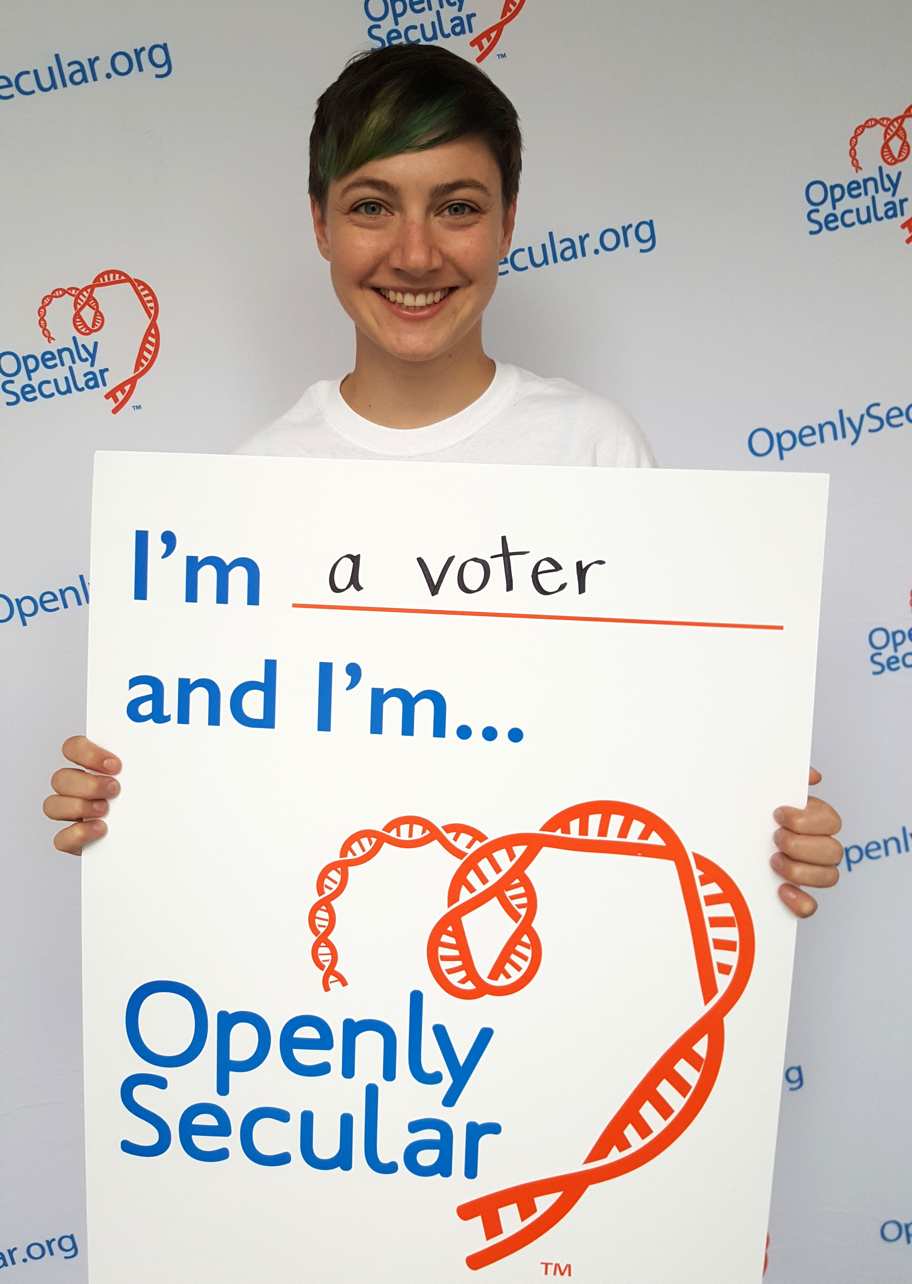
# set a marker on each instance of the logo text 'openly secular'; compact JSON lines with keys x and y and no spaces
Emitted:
{"x":392,"y":22}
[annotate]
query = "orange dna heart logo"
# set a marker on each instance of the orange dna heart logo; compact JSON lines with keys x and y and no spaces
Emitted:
{"x":671,"y":1094}
{"x":486,"y":41}
{"x":88,"y":318}
{"x":895,"y":148}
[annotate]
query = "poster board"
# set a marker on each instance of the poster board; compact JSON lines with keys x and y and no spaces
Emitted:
{"x":435,"y":933}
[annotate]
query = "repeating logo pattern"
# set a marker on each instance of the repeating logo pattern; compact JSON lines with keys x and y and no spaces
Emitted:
{"x":486,"y":41}
{"x":497,"y":869}
{"x":432,"y":21}
{"x":895,"y":148}
{"x":848,"y":204}
{"x":88,"y":319}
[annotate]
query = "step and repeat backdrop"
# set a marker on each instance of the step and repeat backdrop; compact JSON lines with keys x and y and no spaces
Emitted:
{"x":715,"y":230}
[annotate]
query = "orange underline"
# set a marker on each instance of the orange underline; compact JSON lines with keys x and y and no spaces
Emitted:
{"x":521,"y":615}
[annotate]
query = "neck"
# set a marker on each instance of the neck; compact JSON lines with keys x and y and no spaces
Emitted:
{"x":412,"y":394}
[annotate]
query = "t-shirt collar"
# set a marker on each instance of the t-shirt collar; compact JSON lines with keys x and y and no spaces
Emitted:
{"x":419,"y":441}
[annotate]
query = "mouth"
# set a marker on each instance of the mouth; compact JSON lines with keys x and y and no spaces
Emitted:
{"x":415,"y":304}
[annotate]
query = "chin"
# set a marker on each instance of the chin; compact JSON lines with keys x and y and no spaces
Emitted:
{"x":417,"y":358}
{"x":420,"y":348}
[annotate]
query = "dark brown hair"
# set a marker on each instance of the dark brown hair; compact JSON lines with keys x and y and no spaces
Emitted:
{"x":407,"y":98}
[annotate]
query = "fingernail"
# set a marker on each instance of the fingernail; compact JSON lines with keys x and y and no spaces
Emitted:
{"x":779,"y":814}
{"x":111,"y":764}
{"x":776,"y":861}
{"x":99,"y":808}
{"x":112,"y":788}
{"x":98,"y":827}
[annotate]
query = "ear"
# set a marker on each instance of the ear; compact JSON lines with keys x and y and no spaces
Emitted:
{"x":319,"y":226}
{"x":509,"y":222}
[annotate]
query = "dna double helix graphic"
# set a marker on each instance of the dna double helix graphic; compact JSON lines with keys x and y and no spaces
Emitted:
{"x":486,"y":41}
{"x":671,"y":1094}
{"x":895,"y":147}
{"x":84,"y":301}
{"x":358,"y":849}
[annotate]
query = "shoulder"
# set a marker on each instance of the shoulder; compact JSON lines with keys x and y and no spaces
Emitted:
{"x":295,"y":432}
{"x":599,"y":427}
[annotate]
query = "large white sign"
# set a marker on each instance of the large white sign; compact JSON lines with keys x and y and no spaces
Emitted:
{"x":435,"y":931}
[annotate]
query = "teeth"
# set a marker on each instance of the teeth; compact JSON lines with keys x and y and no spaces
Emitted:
{"x":407,"y":300}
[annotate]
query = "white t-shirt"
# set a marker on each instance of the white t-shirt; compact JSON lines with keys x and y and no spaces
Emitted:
{"x":520,"y":418}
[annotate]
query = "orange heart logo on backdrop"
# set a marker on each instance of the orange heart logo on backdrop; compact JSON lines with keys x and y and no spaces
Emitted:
{"x":88,"y":319}
{"x":895,"y":148}
{"x":673,"y":1091}
{"x":486,"y":41}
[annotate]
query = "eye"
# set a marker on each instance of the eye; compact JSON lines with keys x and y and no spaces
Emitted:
{"x":370,"y":208}
{"x":462,"y":208}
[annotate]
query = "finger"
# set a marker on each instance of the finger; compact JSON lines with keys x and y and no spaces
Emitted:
{"x":813,"y":849}
{"x":75,"y":837}
{"x":818,"y":817}
{"x":80,"y":784}
{"x":808,"y":875}
{"x":57,"y":808}
{"x":802,"y":904}
{"x":85,"y":753}
{"x":814,"y":776}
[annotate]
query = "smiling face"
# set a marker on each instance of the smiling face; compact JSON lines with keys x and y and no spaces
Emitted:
{"x":414,"y":242}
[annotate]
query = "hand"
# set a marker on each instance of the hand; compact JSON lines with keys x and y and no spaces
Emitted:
{"x":82,"y":796}
{"x":808,"y":852}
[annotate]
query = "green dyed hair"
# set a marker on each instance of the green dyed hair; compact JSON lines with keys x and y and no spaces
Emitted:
{"x":405,"y":98}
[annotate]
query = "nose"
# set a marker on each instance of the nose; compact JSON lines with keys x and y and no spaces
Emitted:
{"x":414,"y":249}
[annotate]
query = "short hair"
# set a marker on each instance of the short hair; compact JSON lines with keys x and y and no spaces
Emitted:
{"x":406,"y":98}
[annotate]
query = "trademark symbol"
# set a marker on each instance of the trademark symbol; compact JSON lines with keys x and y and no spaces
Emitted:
{"x":501,"y":56}
{"x":136,"y":406}
{"x":553,"y":1269}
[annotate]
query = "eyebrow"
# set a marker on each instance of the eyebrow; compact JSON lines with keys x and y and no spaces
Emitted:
{"x":441,"y":189}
